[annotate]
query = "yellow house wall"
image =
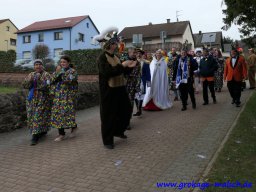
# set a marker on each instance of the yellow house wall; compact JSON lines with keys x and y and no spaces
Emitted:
{"x":7,"y":35}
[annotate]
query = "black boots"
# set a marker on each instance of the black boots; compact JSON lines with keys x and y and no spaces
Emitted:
{"x":184,"y":108}
{"x":34,"y":139}
{"x":109,"y":146}
{"x":139,"y":106}
{"x":137,"y":114}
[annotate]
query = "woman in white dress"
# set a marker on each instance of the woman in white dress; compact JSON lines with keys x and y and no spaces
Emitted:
{"x":157,"y":96}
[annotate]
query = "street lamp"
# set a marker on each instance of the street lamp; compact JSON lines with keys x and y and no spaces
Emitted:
{"x":6,"y":44}
{"x":163,"y":37}
{"x":211,"y":40}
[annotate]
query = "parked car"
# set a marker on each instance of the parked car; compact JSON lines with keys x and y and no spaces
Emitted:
{"x":20,"y":62}
{"x":29,"y":65}
{"x":48,"y":62}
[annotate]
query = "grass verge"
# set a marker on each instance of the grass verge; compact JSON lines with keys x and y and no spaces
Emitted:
{"x":5,"y":90}
{"x":236,"y":162}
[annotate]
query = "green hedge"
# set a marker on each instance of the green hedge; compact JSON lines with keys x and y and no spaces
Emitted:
{"x":85,"y":60}
{"x":6,"y":60}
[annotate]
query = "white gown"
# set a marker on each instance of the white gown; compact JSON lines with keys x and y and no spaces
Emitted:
{"x":159,"y":90}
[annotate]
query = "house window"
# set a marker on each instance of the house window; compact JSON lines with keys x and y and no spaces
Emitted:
{"x":26,"y":55}
{"x":87,"y":24}
{"x":13,"y":42}
{"x":27,"y":39}
{"x":58,"y":36}
{"x":81,"y":37}
{"x":7,"y":28}
{"x":58,"y":52}
{"x":148,"y":42}
{"x":168,"y":40}
{"x":40,"y":37}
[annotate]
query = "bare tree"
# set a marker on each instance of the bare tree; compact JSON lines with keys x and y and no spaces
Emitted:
{"x":41,"y":51}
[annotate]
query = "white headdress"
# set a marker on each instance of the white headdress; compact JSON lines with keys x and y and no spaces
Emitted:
{"x":107,"y":35}
{"x":198,"y":50}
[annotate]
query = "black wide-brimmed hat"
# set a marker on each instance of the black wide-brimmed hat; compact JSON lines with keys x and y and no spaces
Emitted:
{"x":139,"y":50}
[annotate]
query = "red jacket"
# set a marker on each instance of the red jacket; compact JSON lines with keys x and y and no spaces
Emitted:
{"x":238,"y":73}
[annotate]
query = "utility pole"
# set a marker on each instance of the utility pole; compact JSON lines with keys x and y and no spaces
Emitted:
{"x":210,"y":41}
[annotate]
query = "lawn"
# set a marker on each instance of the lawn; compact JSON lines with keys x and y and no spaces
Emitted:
{"x":4,"y":90}
{"x":237,"y":160}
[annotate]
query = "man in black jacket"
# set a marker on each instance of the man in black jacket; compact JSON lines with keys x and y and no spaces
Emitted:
{"x":208,"y":65}
{"x":183,"y":75}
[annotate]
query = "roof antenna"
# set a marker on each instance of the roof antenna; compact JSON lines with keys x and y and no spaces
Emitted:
{"x":177,"y":15}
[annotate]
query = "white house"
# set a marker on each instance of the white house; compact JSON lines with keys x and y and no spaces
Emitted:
{"x":155,"y":36}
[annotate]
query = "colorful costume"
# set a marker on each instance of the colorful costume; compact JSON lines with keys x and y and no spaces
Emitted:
{"x":38,"y":102}
{"x":133,"y":78}
{"x":218,"y":75}
{"x":144,"y":82}
{"x":64,"y":91}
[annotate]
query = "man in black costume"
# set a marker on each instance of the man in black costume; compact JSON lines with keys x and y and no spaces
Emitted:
{"x":115,"y":107}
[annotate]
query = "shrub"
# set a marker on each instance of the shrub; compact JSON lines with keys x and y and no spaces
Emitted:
{"x":7,"y":58}
{"x":85,"y":61}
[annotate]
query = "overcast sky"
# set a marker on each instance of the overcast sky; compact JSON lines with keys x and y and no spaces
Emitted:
{"x":204,"y":15}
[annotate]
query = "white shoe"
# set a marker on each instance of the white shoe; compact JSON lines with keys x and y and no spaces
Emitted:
{"x":59,"y":138}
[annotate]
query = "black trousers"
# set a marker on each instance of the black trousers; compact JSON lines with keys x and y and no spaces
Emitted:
{"x":138,"y":104}
{"x":61,"y":131}
{"x":115,"y":113}
{"x":209,"y":84}
{"x":185,"y":89}
{"x":235,"y":88}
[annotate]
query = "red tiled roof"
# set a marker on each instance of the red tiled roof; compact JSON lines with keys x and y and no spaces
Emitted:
{"x":53,"y":24}
{"x":3,"y":20}
{"x":153,"y":30}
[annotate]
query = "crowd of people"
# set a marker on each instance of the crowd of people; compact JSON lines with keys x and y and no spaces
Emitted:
{"x":133,"y":76}
{"x":148,"y":80}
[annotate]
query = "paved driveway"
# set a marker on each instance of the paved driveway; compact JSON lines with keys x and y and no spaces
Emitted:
{"x":170,"y":146}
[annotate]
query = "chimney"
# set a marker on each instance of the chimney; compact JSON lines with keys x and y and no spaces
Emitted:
{"x":168,"y":20}
{"x":200,"y":32}
{"x":150,"y":23}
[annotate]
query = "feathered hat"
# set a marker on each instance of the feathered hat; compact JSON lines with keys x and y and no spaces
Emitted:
{"x":234,"y":47}
{"x":185,"y":46}
{"x":107,"y":36}
{"x":205,"y":48}
{"x":198,"y":50}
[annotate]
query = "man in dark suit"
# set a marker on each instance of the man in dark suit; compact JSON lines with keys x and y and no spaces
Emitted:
{"x":208,"y":65}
